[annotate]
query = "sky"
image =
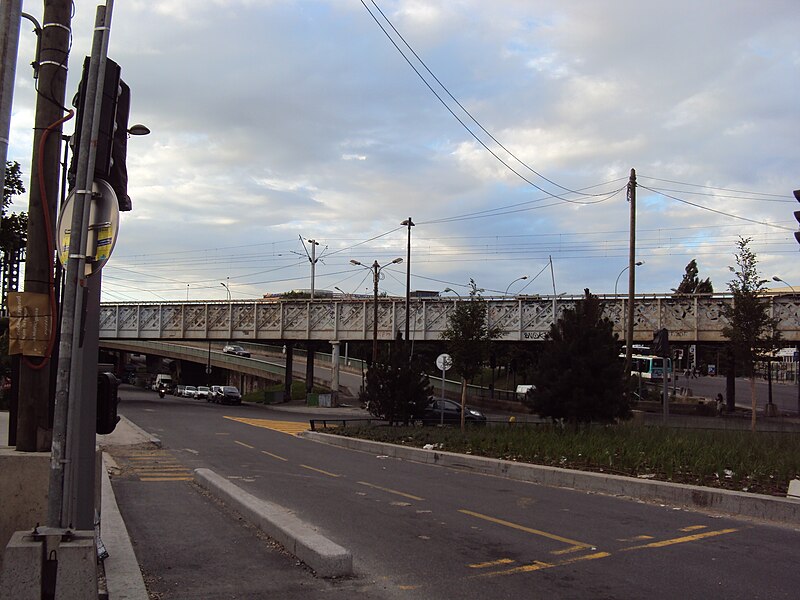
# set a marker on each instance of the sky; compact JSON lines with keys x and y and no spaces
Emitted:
{"x":506,"y":130}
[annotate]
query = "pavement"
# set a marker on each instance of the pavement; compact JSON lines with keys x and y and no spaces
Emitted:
{"x":124,"y":578}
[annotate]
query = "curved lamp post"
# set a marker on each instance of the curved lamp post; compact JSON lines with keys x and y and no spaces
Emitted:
{"x":376,"y":271}
{"x":513,"y":282}
{"x":638,"y":264}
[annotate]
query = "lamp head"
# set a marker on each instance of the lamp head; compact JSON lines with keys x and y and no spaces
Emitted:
{"x":355,"y":262}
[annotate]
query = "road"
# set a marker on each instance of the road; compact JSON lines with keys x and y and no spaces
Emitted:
{"x":784,"y":395}
{"x":427,"y":532}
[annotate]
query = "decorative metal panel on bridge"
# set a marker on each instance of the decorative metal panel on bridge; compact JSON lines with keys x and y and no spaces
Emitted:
{"x":690,"y":318}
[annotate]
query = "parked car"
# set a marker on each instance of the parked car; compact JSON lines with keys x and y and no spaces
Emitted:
{"x":237,"y":350}
{"x":216,"y":392}
{"x":189,"y":391}
{"x":442,"y":410}
{"x":203,"y":393}
{"x":229,"y":395}
{"x":179,"y":390}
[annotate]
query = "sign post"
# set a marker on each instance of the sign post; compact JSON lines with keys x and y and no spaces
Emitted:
{"x":443,"y":362}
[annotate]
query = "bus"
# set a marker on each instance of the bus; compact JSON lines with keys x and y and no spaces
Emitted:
{"x":649,"y":367}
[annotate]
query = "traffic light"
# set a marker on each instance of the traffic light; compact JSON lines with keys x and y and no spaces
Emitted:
{"x":797,"y":215}
{"x":107,"y":401}
{"x":661,"y":343}
{"x":112,"y":136}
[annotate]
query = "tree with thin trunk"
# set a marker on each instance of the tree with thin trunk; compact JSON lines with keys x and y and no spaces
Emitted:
{"x":469,"y":339}
{"x":691,"y":282}
{"x":750,"y":329}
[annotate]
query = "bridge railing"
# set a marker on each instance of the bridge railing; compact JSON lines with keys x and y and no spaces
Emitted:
{"x":688,"y":318}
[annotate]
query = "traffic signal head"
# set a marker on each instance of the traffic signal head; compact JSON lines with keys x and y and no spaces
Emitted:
{"x":797,"y":215}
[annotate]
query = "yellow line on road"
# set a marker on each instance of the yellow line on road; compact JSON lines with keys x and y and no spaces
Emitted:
{"x":328,"y":473}
{"x":245,"y":445}
{"x":682,"y":540}
{"x":290,"y":427}
{"x":693,"y":528}
{"x":391,"y":491}
{"x":540,"y":565}
{"x":492,"y":563}
{"x":165,"y":478}
{"x":274,"y":456}
{"x":574,"y":545}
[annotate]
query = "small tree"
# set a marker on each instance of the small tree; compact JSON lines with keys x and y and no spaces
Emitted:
{"x":469,"y":339}
{"x":750,"y":328}
{"x":396,"y":390}
{"x":579,"y":378}
{"x":692,"y":284}
{"x":14,"y":226}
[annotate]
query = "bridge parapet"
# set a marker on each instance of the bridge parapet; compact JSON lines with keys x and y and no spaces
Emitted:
{"x":688,"y":318}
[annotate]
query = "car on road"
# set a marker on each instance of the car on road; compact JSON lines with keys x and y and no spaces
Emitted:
{"x":237,"y":350}
{"x":216,"y":392}
{"x":203,"y":393}
{"x":229,"y":395}
{"x":189,"y":391}
{"x":178,"y":390}
{"x":442,"y":410}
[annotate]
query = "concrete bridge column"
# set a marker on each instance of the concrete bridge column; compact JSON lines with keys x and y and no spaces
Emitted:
{"x":334,"y":372}
{"x":310,"y":368}
{"x":288,"y":350}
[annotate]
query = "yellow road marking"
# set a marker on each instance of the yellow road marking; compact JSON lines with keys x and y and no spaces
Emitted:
{"x":290,"y":427}
{"x":492,"y":563}
{"x":165,"y":478}
{"x":574,"y":545}
{"x":637,"y":538}
{"x":693,"y":528}
{"x":245,"y":445}
{"x":274,"y":456}
{"x":540,"y":565}
{"x":391,"y":491}
{"x":329,"y":474}
{"x":682,"y":540}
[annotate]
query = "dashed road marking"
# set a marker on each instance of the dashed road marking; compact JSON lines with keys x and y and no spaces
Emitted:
{"x":681,"y":540}
{"x":245,"y":445}
{"x":328,"y":473}
{"x":274,"y":456}
{"x":391,"y":491}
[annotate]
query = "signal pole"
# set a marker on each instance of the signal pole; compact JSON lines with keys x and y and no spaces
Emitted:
{"x":33,"y":420}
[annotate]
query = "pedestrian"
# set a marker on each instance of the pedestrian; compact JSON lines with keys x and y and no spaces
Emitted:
{"x":720,"y":404}
{"x":694,"y":372}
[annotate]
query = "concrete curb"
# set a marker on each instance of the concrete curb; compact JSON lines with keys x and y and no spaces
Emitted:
{"x":729,"y":503}
{"x":150,"y":438}
{"x":301,"y":539}
{"x":123,"y":577}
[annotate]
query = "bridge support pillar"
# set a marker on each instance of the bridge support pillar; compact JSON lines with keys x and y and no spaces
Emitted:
{"x":310,"y":368}
{"x":334,"y":372}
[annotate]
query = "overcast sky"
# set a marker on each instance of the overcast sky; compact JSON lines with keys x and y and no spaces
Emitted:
{"x":274,"y":120}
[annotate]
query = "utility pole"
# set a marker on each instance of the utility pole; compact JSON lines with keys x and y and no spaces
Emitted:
{"x":631,"y":283}
{"x":376,"y":273}
{"x":312,"y":259}
{"x":33,"y":420}
{"x":408,"y":223}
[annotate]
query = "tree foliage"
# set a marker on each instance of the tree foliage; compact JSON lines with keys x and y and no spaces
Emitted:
{"x":14,"y":226}
{"x":397,"y":389}
{"x":469,"y":335}
{"x":750,"y":329}
{"x":691,"y":282}
{"x":579,"y":378}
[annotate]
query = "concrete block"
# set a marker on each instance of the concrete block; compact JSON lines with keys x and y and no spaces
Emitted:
{"x":77,"y":568}
{"x":21,"y":573}
{"x":794,"y":488}
{"x":23,"y":493}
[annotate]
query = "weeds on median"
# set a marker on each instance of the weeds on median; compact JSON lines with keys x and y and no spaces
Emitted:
{"x":737,"y":460}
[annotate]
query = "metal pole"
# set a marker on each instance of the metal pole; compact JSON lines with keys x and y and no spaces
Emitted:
{"x":10,"y":16}
{"x":409,"y":223}
{"x":314,"y":245}
{"x":375,"y":268}
{"x":631,"y":281}
{"x":69,"y":381}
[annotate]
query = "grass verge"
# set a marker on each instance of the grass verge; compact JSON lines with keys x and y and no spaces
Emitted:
{"x":737,"y":460}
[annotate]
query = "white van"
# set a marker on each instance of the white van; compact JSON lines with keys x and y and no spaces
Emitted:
{"x":522,"y":390}
{"x":162,"y":380}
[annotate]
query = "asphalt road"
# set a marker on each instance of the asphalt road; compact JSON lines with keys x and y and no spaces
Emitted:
{"x":784,"y":395}
{"x":426,"y":532}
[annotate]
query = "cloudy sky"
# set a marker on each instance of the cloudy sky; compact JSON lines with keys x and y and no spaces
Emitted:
{"x":507,"y":130}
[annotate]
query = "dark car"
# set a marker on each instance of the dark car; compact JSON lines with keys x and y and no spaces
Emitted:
{"x":229,"y":395}
{"x":237,"y":350}
{"x":442,"y":410}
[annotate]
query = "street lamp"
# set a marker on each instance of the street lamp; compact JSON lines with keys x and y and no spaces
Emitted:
{"x":447,"y":289}
{"x":638,"y":264}
{"x":513,"y":282}
{"x":376,"y":272}
{"x":408,"y":223}
{"x":227,"y":289}
{"x":776,"y":278}
{"x":341,"y":291}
